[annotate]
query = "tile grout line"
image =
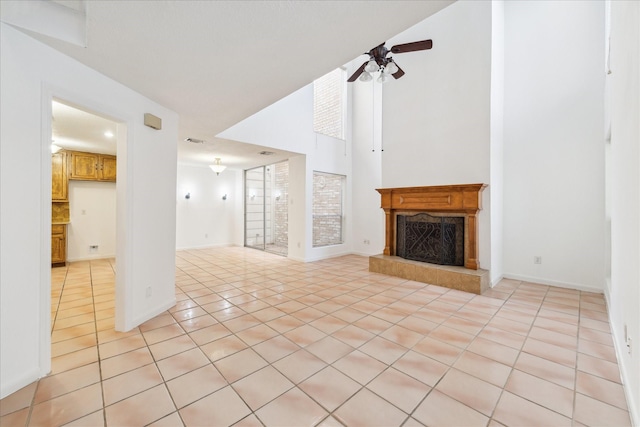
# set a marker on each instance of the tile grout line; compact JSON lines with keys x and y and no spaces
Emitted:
{"x":240,"y":279}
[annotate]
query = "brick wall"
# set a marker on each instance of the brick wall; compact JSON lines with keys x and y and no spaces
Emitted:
{"x":327,"y":208}
{"x":328,"y":104}
{"x":281,"y":205}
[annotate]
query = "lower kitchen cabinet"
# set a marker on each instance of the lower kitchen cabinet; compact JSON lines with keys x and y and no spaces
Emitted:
{"x":58,"y":245}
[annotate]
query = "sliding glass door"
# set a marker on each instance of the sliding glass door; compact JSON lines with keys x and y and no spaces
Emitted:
{"x":266,"y":207}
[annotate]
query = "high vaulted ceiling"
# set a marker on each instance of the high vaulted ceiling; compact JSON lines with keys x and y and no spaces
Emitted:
{"x":217,"y":62}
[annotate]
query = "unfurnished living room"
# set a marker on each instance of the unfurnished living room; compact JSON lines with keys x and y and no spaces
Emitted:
{"x":290,"y":213}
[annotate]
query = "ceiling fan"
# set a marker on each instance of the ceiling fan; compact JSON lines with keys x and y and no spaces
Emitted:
{"x":378,"y":61}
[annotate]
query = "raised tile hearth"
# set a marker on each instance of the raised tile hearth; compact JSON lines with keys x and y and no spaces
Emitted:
{"x":460,"y":278}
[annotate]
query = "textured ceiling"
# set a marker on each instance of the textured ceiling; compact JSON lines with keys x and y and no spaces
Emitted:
{"x":217,"y":62}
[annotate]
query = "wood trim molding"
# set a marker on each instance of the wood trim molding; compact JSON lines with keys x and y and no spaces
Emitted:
{"x":461,"y":200}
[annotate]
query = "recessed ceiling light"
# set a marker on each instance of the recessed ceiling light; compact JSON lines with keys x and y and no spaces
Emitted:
{"x":266,"y":153}
{"x":108,"y":134}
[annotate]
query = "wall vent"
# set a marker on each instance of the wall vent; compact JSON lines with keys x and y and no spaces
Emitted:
{"x":194,"y":140}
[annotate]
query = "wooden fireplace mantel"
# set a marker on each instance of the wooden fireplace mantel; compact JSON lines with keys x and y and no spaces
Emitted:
{"x":464,"y":200}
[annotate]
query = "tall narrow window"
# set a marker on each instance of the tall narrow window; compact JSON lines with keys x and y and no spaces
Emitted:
{"x":328,"y":216}
{"x":329,"y":94}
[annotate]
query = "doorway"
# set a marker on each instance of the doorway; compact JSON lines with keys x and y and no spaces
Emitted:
{"x":266,"y":208}
{"x":83,"y":225}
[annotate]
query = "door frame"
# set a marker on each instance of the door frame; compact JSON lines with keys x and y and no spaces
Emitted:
{"x":123,"y":288}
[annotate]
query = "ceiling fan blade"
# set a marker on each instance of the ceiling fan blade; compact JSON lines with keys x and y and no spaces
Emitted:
{"x":359,"y":71}
{"x":398,"y":73}
{"x":412,"y":47}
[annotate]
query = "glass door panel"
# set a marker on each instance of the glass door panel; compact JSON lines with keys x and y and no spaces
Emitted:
{"x":254,"y":208}
{"x":266,"y":208}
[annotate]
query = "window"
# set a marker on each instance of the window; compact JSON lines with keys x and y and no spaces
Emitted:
{"x":328,"y":199}
{"x":329,"y":104}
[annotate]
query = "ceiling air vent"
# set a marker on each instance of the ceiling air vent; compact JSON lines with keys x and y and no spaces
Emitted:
{"x":266,"y":153}
{"x":194,"y":140}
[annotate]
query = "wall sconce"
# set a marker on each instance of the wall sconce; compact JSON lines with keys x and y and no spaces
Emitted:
{"x":278,"y":195}
{"x":252,"y":196}
{"x":187,"y":196}
{"x":224,"y":197}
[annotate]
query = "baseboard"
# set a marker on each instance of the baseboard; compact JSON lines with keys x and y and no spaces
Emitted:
{"x":328,"y":256}
{"x":217,"y":245}
{"x":364,"y":254}
{"x":150,"y":314}
{"x":91,"y":257}
{"x":496,"y":281}
{"x":634,"y":411}
{"x":557,"y":283}
{"x":15,"y":384}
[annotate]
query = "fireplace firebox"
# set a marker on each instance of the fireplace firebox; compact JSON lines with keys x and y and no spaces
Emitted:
{"x":432,"y":239}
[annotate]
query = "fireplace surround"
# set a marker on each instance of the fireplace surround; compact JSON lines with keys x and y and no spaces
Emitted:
{"x":446,"y":201}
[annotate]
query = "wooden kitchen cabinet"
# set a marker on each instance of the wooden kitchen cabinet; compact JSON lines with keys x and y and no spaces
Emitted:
{"x":58,"y":244}
{"x":59,"y":181}
{"x":107,"y":170}
{"x":83,"y":166}
{"x":92,"y":166}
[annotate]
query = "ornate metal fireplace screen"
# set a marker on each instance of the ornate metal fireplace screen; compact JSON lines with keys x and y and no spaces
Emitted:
{"x":426,"y":238}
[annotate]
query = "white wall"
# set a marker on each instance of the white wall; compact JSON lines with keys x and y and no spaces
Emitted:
{"x":297,"y":208}
{"x":92,"y":212}
{"x":368,"y":217}
{"x":205,"y":219}
{"x":496,"y":190}
{"x":31,"y":74}
{"x":436,"y":119}
{"x":554,"y":142}
{"x":623,"y":295}
{"x":288,"y":125}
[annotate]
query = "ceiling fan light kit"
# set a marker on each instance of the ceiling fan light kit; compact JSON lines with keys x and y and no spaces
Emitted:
{"x":372,"y":66}
{"x":366,"y":77}
{"x":378,"y":61}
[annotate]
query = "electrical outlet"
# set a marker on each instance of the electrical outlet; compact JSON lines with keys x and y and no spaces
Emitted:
{"x":366,"y":242}
{"x":627,"y":339}
{"x":149,"y":291}
{"x":537,"y":259}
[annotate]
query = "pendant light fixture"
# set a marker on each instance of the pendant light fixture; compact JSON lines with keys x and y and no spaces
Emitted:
{"x":217,"y":167}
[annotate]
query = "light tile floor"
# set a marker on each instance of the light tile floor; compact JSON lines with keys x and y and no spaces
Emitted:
{"x":257,"y":339}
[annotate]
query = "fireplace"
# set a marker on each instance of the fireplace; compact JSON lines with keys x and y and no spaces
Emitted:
{"x":444,"y":200}
{"x":431,"y":236}
{"x":428,"y":238}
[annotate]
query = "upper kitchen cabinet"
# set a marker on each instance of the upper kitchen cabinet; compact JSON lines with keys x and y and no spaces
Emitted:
{"x":59,"y":183}
{"x":107,"y":170}
{"x":92,"y":166}
{"x":83,"y":166}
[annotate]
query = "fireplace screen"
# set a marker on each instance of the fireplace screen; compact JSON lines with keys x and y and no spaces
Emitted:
{"x":426,"y":238}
